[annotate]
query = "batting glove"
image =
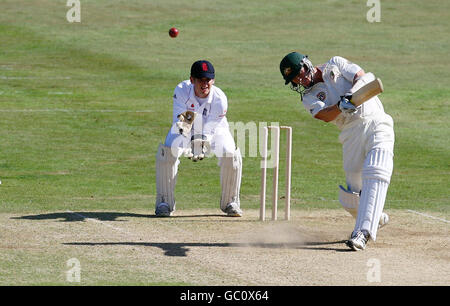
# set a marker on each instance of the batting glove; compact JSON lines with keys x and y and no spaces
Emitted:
{"x":346,"y":106}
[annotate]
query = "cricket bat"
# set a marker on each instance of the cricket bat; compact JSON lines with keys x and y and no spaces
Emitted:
{"x":366,"y":92}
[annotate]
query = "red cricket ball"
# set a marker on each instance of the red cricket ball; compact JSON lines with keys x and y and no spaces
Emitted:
{"x":173,"y":32}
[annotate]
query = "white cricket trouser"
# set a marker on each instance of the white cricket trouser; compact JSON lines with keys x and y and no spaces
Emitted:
{"x":368,"y":150}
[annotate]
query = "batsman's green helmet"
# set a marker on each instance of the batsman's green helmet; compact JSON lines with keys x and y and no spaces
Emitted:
{"x":291,"y":65}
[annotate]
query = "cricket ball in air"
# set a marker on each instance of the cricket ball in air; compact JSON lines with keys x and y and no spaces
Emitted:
{"x":173,"y":32}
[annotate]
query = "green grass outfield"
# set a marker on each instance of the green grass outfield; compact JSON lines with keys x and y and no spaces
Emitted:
{"x":83,"y":106}
{"x":73,"y":137}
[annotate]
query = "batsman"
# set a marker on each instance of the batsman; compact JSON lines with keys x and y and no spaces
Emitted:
{"x":199,"y":129}
{"x":367,"y":135}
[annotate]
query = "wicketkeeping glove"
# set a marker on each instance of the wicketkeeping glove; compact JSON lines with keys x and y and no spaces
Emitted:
{"x":185,"y":121}
{"x":199,"y":147}
{"x":346,"y":106}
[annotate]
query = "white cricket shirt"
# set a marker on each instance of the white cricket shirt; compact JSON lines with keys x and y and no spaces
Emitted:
{"x":338,"y":74}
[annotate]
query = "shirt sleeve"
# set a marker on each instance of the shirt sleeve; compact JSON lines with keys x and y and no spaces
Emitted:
{"x":347,"y":68}
{"x":179,"y":102}
{"x":313,"y":105}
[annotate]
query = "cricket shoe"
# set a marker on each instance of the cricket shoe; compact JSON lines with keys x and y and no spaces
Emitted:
{"x":358,"y":241}
{"x":233,"y":210}
{"x":384,"y":219}
{"x":163,"y":210}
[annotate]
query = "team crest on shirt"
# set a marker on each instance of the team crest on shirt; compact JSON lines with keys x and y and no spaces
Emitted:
{"x":321,"y":96}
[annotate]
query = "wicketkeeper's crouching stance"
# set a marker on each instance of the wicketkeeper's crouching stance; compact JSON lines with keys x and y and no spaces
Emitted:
{"x":199,"y":128}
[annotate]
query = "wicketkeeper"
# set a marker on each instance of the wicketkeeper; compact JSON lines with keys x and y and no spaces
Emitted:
{"x":367,"y":135}
{"x":200,"y":128}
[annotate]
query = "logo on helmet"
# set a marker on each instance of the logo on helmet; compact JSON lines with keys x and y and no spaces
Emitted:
{"x":287,"y":71}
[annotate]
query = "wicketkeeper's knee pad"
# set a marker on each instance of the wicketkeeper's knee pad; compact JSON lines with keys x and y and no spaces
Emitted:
{"x":230,"y":178}
{"x":378,"y":165}
{"x":166,"y":176}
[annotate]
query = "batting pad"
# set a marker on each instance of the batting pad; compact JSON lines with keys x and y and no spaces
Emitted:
{"x":230,"y":178}
{"x":378,"y":165}
{"x":349,"y":200}
{"x":376,"y":175}
{"x":166,"y":176}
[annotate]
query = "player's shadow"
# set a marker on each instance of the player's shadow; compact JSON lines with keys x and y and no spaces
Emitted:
{"x":82,"y":216}
{"x":105,"y":216}
{"x":180,"y":249}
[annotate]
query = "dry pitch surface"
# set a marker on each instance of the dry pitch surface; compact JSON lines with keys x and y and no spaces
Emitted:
{"x":202,"y":247}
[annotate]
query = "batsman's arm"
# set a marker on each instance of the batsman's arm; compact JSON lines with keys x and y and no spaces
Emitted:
{"x":348,"y":69}
{"x":329,"y":113}
{"x":356,"y":78}
{"x":319,"y":110}
{"x":365,"y":87}
{"x":358,"y":75}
